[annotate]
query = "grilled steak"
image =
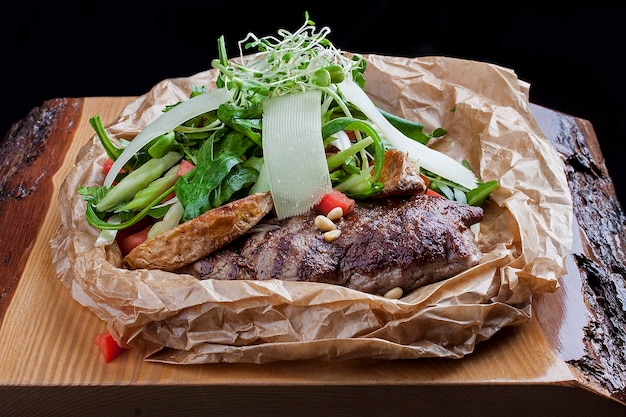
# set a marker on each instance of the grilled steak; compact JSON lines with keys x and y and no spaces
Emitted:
{"x":395,"y":242}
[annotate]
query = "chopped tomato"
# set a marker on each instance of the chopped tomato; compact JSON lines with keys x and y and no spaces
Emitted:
{"x":184,"y":167}
{"x":106,"y":167}
{"x":130,"y":241}
{"x":430,"y":191}
{"x":335,"y":199}
{"x":170,"y":196}
{"x":108,"y":346}
{"x":134,"y":235}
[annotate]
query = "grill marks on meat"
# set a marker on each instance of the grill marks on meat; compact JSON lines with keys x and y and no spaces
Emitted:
{"x":387,"y":243}
{"x":291,"y":249}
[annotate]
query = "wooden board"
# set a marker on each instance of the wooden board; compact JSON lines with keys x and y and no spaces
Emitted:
{"x":50,"y":366}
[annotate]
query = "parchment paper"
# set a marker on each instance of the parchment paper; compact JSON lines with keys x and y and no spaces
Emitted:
{"x":525,"y":236}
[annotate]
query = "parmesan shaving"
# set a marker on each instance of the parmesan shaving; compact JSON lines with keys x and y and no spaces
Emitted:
{"x":293,"y":151}
{"x":421,"y":155}
{"x":176,"y":116}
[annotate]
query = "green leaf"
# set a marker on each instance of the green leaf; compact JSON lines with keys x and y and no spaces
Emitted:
{"x":348,"y":123}
{"x":211,"y":183}
{"x":193,"y":189}
{"x":97,"y":219}
{"x":111,"y":150}
{"x":239,"y":178}
{"x":92,"y":194}
{"x":478,"y":195}
{"x":413,"y":130}
{"x":244,"y":120}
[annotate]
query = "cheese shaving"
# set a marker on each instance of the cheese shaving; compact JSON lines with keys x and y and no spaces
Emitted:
{"x":293,"y":151}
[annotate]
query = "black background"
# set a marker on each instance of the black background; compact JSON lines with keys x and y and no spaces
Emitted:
{"x":572,"y":56}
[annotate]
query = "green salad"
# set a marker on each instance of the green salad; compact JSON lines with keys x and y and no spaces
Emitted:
{"x":290,"y":116}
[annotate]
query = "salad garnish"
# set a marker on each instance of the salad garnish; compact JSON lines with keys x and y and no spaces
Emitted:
{"x":290,"y":116}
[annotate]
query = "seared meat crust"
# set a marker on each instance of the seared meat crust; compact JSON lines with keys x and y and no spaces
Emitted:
{"x":386,"y":243}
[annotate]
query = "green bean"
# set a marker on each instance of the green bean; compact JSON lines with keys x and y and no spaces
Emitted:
{"x":137,"y":180}
{"x":112,"y":151}
{"x":335,"y":160}
{"x":162,"y":145}
{"x":152,"y":191}
{"x":347,"y":123}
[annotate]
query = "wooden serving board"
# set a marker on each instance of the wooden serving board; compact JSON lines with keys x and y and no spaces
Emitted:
{"x":569,"y":360}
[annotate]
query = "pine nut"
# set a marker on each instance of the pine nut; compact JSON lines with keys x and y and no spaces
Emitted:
{"x":324,"y":223}
{"x":335,"y":214}
{"x":394,"y":293}
{"x":332,"y":235}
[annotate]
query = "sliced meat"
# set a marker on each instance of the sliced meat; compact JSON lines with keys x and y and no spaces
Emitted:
{"x":395,"y":242}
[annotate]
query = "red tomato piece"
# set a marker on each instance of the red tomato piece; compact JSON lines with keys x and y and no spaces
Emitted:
{"x":184,"y":167}
{"x":108,"y":346}
{"x":130,"y":241}
{"x":335,"y":199}
{"x":106,"y":167}
{"x":430,"y":191}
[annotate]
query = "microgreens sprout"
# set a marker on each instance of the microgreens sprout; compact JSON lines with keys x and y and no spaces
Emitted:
{"x":284,"y":64}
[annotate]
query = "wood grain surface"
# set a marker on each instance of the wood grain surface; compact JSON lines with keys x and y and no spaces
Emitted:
{"x":569,"y":360}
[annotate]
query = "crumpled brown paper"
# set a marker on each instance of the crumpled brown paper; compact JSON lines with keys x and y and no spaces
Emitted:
{"x":525,"y":237}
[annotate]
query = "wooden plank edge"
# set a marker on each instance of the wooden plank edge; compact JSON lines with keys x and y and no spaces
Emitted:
{"x":32,"y":151}
{"x":601,"y":256}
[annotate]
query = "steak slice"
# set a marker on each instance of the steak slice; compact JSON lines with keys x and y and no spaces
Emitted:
{"x":387,"y":243}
